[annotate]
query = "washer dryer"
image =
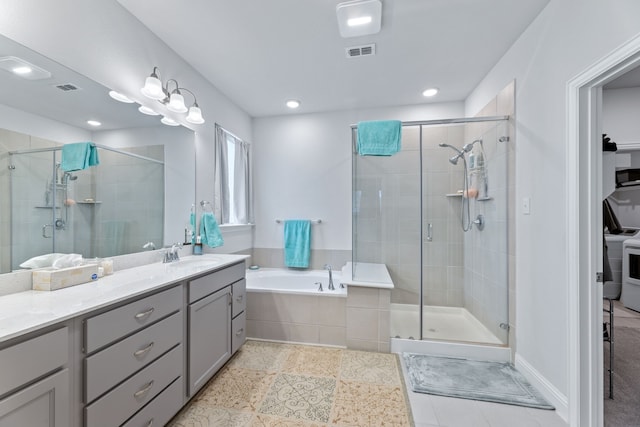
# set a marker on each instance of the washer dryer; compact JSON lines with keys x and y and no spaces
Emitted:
{"x":613,"y":288}
{"x":631,"y":274}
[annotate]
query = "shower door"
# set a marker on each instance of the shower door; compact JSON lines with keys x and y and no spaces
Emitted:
{"x":411,"y":214}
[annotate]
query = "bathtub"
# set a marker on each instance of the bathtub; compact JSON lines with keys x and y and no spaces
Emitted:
{"x":285,"y":305}
{"x":294,"y":282}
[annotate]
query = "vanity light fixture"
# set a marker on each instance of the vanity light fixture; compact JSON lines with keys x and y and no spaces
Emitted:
{"x":293,"y":104}
{"x":172,"y":98}
{"x":359,"y":17}
{"x":120,"y":97}
{"x":168,"y":121}
{"x":148,"y":111}
{"x":430,"y":92}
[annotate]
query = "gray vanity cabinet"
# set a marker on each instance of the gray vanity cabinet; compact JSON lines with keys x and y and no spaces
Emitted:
{"x":210,"y":323}
{"x":33,"y":382}
{"x":238,"y":324}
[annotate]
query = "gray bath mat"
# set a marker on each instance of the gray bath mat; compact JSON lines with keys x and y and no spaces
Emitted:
{"x":471,"y":379}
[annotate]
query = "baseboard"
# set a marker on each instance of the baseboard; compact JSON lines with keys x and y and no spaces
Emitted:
{"x":551,"y":393}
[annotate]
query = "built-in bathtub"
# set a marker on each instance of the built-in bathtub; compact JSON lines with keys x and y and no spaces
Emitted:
{"x":286,"y":305}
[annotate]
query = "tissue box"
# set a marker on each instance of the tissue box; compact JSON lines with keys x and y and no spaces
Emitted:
{"x":50,"y":279}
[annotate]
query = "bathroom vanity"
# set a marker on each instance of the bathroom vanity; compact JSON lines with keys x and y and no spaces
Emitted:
{"x":127,"y":350}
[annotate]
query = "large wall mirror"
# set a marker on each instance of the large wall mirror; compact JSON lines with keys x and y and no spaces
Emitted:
{"x":138,"y":198}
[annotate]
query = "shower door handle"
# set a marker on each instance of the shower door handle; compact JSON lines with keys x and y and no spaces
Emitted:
{"x":429,"y":232}
{"x":44,"y":230}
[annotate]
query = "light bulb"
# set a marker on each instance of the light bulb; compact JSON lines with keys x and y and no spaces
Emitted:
{"x":195,"y":115}
{"x":176,"y":103}
{"x":153,"y":88}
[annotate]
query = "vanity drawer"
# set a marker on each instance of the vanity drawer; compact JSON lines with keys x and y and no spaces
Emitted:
{"x":107,"y":327}
{"x":161,"y":409}
{"x":106,"y":368}
{"x":205,"y":285}
{"x":35,"y":358}
{"x":239,"y":291}
{"x":238,"y":332}
{"x":122,"y":402}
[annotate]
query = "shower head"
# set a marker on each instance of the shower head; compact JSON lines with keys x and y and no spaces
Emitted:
{"x":453,"y":160}
{"x":469,"y":146}
{"x":69,"y":177}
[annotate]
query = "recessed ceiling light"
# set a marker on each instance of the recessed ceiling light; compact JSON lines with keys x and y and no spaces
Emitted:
{"x":292,"y":103}
{"x":22,"y":68}
{"x":430,"y":92}
{"x":169,"y":122}
{"x":120,"y":97}
{"x":148,"y":111}
{"x":94,"y":123}
{"x":359,"y":18}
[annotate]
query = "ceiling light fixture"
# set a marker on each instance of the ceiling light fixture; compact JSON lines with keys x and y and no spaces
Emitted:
{"x":22,"y":68}
{"x":430,"y":92}
{"x":359,"y":18}
{"x":173,"y":99}
{"x":292,"y":103}
{"x":148,"y":111}
{"x":94,"y":123}
{"x":169,"y":122}
{"x":120,"y":97}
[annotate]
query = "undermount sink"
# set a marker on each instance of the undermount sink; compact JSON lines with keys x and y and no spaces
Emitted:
{"x":196,"y":261}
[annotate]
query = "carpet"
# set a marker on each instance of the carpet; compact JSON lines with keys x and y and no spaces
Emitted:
{"x":623,"y":410}
{"x":471,"y":379}
{"x":270,"y":384}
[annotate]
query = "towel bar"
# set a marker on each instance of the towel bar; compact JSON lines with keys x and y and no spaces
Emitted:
{"x":313,"y":221}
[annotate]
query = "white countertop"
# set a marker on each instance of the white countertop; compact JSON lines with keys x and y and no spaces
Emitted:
{"x":28,"y":311}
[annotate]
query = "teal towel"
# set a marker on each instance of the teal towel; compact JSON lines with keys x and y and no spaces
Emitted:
{"x":379,"y":138}
{"x":79,"y":156}
{"x":209,"y":231}
{"x":297,"y":243}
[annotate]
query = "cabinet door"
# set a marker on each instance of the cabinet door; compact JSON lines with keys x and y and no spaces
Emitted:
{"x":209,"y":337}
{"x":44,"y":404}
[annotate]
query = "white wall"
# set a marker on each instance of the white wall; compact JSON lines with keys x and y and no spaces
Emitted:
{"x":620,"y":113}
{"x":565,"y":39}
{"x":303,"y":170}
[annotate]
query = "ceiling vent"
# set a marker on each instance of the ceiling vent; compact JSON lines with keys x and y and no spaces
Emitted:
{"x":67,"y":87}
{"x":356,"y":51}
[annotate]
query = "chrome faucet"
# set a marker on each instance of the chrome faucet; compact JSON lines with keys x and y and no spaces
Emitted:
{"x":331,"y":287}
{"x":149,"y":245}
{"x":172,"y":254}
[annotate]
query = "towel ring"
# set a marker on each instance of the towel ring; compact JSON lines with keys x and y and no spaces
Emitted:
{"x":204,"y":204}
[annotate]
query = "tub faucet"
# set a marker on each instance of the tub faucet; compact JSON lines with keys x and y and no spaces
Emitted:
{"x":331,"y":287}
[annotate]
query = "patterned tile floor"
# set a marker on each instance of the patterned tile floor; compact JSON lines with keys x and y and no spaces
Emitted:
{"x":272,"y":384}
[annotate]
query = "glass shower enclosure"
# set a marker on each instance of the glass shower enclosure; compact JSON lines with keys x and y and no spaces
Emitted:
{"x":435,"y":214}
{"x":106,"y":210}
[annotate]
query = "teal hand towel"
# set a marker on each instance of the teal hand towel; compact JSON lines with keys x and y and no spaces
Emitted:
{"x":379,"y":138}
{"x":297,"y":243}
{"x":209,"y":231}
{"x":79,"y":156}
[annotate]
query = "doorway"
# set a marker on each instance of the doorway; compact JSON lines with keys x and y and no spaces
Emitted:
{"x":585,"y":249}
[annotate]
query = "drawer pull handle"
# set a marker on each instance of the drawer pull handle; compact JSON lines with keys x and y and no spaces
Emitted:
{"x":143,"y":351}
{"x":239,"y":298}
{"x":143,"y":314}
{"x":144,"y":390}
{"x":240,"y":331}
{"x":150,"y":423}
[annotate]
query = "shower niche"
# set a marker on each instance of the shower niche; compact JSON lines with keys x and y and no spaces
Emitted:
{"x":436,"y":215}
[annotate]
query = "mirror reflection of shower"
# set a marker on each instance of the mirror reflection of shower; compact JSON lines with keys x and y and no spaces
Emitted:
{"x":57,"y":195}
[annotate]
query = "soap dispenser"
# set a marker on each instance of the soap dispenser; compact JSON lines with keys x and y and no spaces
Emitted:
{"x":197,"y":248}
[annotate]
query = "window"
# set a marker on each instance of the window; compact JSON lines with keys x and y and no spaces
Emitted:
{"x":233,"y":196}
